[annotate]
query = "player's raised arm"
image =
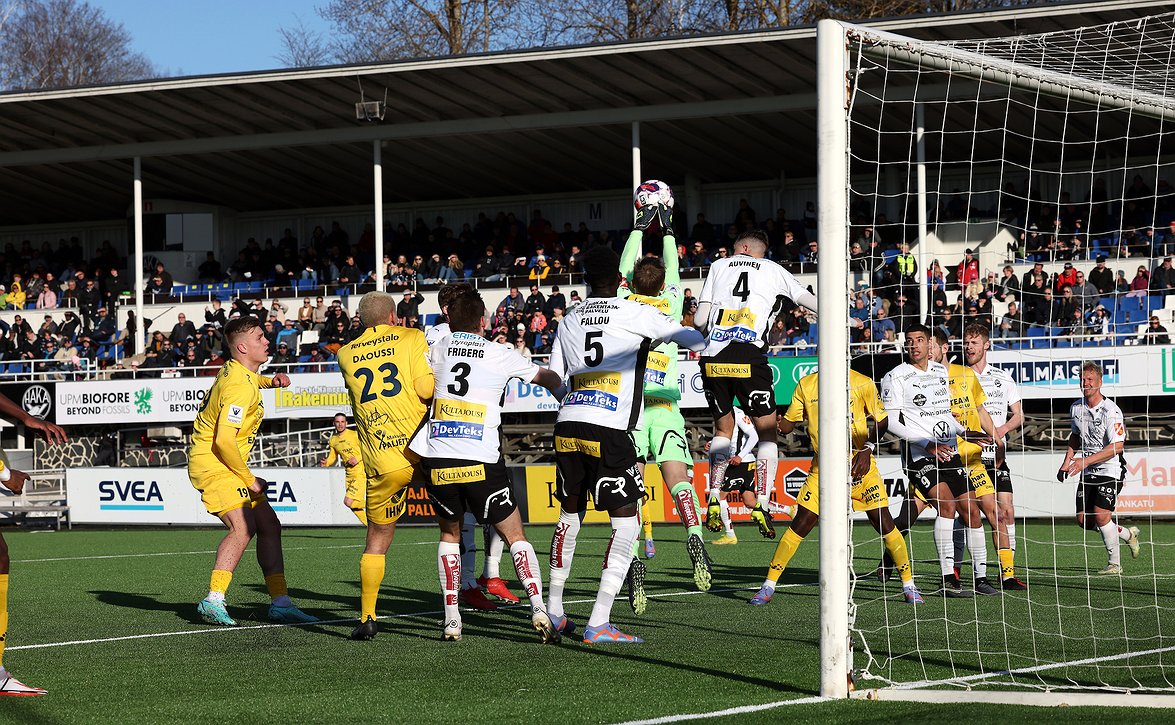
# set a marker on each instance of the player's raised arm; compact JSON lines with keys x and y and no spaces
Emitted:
{"x":423,"y":380}
{"x":53,"y":433}
{"x":548,"y":379}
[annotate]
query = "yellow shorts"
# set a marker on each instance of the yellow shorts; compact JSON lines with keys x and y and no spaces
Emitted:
{"x":387,"y":495}
{"x":867,"y":494}
{"x":357,"y":491}
{"x":977,"y":476}
{"x":222,"y":491}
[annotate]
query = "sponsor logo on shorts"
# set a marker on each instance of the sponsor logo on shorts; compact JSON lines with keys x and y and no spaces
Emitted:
{"x":728,"y":370}
{"x":460,"y":474}
{"x":577,"y":445}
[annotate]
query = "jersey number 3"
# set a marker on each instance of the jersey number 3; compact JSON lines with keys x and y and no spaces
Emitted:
{"x":460,"y":384}
{"x":392,"y":384}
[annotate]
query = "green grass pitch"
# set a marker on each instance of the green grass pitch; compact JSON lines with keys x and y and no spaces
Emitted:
{"x":703,"y":652}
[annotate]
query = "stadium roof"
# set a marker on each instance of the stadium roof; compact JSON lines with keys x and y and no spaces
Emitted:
{"x":724,"y":107}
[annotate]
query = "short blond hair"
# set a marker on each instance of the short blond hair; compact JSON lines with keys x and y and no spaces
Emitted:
{"x":376,"y":308}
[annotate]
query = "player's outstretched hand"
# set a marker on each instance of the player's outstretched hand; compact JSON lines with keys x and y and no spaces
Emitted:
{"x":977,"y":436}
{"x":281,"y":380}
{"x":1076,"y":466}
{"x":735,"y":461}
{"x":941,"y":452}
{"x":53,"y":433}
{"x":259,"y":485}
{"x":1062,"y":475}
{"x":352,"y":461}
{"x":16,"y":480}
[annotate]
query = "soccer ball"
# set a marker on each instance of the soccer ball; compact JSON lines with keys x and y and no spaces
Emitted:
{"x":653,"y":192}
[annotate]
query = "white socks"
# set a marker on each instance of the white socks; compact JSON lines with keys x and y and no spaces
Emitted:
{"x":215,"y":596}
{"x":1012,"y":536}
{"x":468,"y":551}
{"x":766,"y":461}
{"x":1110,"y":537}
{"x":619,"y":555}
{"x":526,"y":564}
{"x":978,"y":548}
{"x":449,"y":573}
{"x":494,"y":546}
{"x":726,"y":517}
{"x":959,"y":539}
{"x":562,"y":552}
{"x":943,"y":530}
{"x":1123,"y":533}
{"x":719,"y":460}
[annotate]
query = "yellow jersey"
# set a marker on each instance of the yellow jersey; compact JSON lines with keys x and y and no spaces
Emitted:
{"x":342,"y":447}
{"x":387,"y":376}
{"x":966,"y":397}
{"x":864,"y":403}
{"x":234,"y":400}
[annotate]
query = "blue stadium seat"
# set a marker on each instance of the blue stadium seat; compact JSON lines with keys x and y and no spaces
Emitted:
{"x":180,"y":289}
{"x":1036,"y":338}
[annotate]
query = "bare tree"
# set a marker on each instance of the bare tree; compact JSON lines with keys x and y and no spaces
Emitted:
{"x":303,"y":47}
{"x":63,"y":43}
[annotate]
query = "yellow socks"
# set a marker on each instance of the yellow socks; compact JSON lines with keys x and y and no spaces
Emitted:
{"x":783,"y":554}
{"x":3,"y":614}
{"x":895,"y":544}
{"x":647,"y":516}
{"x":1007,"y":563}
{"x":371,"y":575}
{"x":360,"y":514}
{"x":219,"y":584}
{"x":276,"y":584}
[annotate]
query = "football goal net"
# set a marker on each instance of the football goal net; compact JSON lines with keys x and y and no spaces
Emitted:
{"x":1032,"y":178}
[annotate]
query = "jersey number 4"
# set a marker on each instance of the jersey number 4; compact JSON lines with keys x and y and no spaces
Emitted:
{"x":391,"y":383}
{"x":741,"y":289}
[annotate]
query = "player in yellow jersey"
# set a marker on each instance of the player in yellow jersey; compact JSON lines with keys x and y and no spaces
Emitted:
{"x":389,"y":380}
{"x":14,"y":481}
{"x":344,"y":446}
{"x":868,"y":491}
{"x":222,"y":437}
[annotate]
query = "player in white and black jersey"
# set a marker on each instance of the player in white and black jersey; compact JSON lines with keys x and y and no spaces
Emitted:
{"x":600,"y":351}
{"x":473,"y":587}
{"x":1004,"y":406}
{"x":1098,"y":434}
{"x":740,"y":474}
{"x":461,"y":453}
{"x":741,"y":296}
{"x":917,"y":398}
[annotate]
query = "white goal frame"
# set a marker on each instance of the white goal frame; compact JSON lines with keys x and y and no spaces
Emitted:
{"x":835,"y":42}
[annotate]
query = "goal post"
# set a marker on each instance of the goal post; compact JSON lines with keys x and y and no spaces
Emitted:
{"x":974,"y":145}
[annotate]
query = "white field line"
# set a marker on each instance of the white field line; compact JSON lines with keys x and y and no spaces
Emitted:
{"x":741,"y":710}
{"x":210,"y":551}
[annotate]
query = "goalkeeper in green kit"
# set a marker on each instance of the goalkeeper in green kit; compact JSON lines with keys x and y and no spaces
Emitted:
{"x":656,"y":281}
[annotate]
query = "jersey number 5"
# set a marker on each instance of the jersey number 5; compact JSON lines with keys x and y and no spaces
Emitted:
{"x":391,"y":383}
{"x":593,"y":348}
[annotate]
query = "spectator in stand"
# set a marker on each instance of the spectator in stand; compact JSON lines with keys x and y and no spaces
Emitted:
{"x":409,"y":306}
{"x":1163,"y":279}
{"x":334,"y":338}
{"x":858,"y":262}
{"x":283,"y":356}
{"x":860,"y":310}
{"x":165,"y":279}
{"x":488,"y":267}
{"x":277,"y":312}
{"x":883,"y":328}
{"x":452,"y":271}
{"x":113,"y":289}
{"x":935,"y":277}
{"x":155,"y":287}
{"x":320,"y":309}
{"x":1041,"y":314}
{"x":1141,"y":283}
{"x":105,"y":329}
{"x":306,"y":314}
{"x":349,"y":273}
{"x":1036,"y":271}
{"x":903,"y":312}
{"x":215,"y":315}
{"x":1097,"y":324}
{"x":16,"y":295}
{"x":777,"y":335}
{"x":702,"y":231}
{"x":745,"y":215}
{"x":1121,"y":286}
{"x":540,"y":269}
{"x":288,"y":334}
{"x":209,"y":271}
{"x":1066,"y":277}
{"x":513,"y":300}
{"x":968,"y":269}
{"x":555,"y":301}
{"x":182,"y":331}
{"x":1154,"y":334}
{"x":535,"y":302}
{"x":29,"y":346}
{"x":70,"y":326}
{"x":1011,"y":323}
{"x":951,"y":324}
{"x":1085,"y":294}
{"x":88,"y":351}
{"x":269,"y":330}
{"x":1068,"y":314}
{"x":1101,"y":277}
{"x":47,"y":299}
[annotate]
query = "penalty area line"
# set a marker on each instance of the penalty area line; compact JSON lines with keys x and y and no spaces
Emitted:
{"x":192,"y":553}
{"x":740,"y":710}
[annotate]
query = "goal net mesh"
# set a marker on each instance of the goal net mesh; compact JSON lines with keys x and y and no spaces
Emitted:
{"x":1055,"y":149}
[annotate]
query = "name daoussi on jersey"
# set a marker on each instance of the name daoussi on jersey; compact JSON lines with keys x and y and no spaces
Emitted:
{"x":745,"y":294}
{"x":921,"y":401}
{"x":471,"y":374}
{"x":1098,"y":427}
{"x":381,"y":368}
{"x":602,"y":348}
